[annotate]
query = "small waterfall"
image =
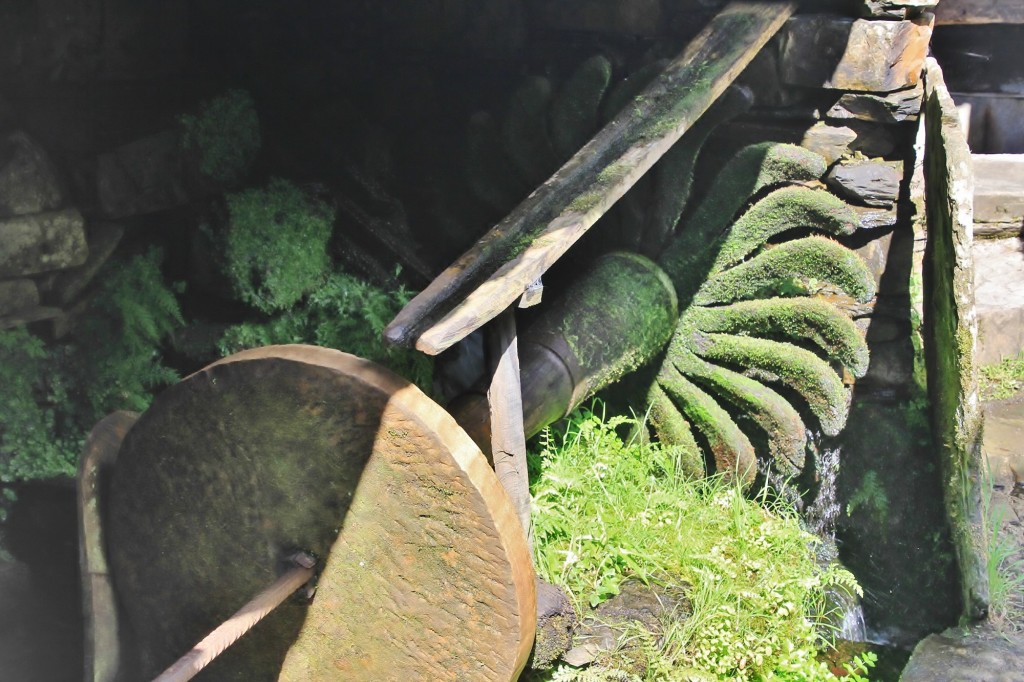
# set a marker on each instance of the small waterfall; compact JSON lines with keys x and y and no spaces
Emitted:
{"x":820,"y":518}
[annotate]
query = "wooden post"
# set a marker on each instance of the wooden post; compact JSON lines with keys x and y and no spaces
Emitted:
{"x":495,"y":272}
{"x":504,"y":396}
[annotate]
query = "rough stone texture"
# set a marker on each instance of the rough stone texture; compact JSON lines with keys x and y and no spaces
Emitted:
{"x":832,"y":142}
{"x":1004,"y":434}
{"x":103,"y":240}
{"x":892,"y":108}
{"x":998,"y":188}
{"x":143,"y":176}
{"x":821,"y":50}
{"x":17,"y":294}
{"x":979,"y":654}
{"x":895,"y":9}
{"x":951,"y":332}
{"x":42,"y":242}
{"x":25,"y":316}
{"x":876,"y":218}
{"x":605,"y":628}
{"x":999,"y":298}
{"x":890,"y":250}
{"x":867,"y":182}
{"x":28,"y":181}
{"x":425,"y":569}
{"x":875,"y":140}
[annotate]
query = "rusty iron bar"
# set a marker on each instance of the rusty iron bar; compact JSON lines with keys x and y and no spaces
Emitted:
{"x":231,"y":630}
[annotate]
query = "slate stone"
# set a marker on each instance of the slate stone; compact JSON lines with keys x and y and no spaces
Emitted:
{"x":832,"y":142}
{"x":26,"y":316}
{"x":28,"y":180}
{"x":870,"y":183}
{"x":103,"y":240}
{"x":143,"y":176}
{"x":998,"y":188}
{"x":894,"y":107}
{"x":17,"y":294}
{"x":42,"y":242}
{"x":896,"y":9}
{"x":828,"y":51}
{"x":978,"y":654}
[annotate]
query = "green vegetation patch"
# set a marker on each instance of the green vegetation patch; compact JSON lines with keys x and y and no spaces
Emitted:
{"x":607,"y":510}
{"x":344,"y":313}
{"x":226,"y":133}
{"x":1002,"y":380}
{"x":276,"y":244}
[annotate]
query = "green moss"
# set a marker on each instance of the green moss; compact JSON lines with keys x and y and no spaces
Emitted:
{"x":574,"y":113}
{"x":584,"y":202}
{"x":226,"y":133}
{"x":524,"y":131}
{"x":276,"y":244}
{"x":800,"y":370}
{"x":784,"y":209}
{"x":785,"y":431}
{"x":808,"y":262}
{"x":615,"y":319}
{"x":675,"y":433}
{"x":754,"y":168}
{"x":799,"y":319}
{"x":731,"y":449}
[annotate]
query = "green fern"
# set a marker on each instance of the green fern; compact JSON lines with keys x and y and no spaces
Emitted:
{"x":226,"y":135}
{"x":345,"y":313}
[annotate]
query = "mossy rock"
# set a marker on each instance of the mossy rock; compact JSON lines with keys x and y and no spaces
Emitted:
{"x":425,"y":572}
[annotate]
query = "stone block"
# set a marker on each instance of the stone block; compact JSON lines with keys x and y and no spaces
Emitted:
{"x":17,"y":294}
{"x":998,"y":188}
{"x":999,"y":298}
{"x":869,"y":182}
{"x":826,"y":51}
{"x":42,"y":242}
{"x":28,"y":180}
{"x":894,"y":107}
{"x":143,"y":176}
{"x":103,"y":240}
{"x":832,"y":142}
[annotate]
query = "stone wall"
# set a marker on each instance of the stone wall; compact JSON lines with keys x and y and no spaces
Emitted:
{"x":951,"y":332}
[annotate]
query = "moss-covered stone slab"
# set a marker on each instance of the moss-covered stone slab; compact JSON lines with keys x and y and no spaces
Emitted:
{"x":425,"y":569}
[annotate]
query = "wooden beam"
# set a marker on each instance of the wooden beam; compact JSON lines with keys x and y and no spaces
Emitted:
{"x":508,"y":438}
{"x":979,"y":12}
{"x":496,"y":271}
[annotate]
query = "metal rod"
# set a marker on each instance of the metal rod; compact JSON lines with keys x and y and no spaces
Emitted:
{"x":214,"y":644}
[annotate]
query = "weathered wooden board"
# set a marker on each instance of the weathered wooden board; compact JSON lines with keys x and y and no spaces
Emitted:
{"x":496,"y":271}
{"x":426,"y":572}
{"x":99,"y":607}
{"x":979,"y":12}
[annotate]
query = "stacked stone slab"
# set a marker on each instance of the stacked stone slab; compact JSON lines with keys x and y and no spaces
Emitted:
{"x":40,"y":236}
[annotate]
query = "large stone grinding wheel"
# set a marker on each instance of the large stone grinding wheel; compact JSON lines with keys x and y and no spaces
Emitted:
{"x":425,"y":575}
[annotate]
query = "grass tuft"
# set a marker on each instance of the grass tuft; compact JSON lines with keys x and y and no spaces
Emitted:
{"x":608,"y":508}
{"x":1002,"y":380}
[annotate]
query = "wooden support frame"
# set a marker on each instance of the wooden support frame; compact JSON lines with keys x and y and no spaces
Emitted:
{"x":496,"y":271}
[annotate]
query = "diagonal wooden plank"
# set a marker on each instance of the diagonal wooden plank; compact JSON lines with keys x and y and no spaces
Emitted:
{"x":496,"y":271}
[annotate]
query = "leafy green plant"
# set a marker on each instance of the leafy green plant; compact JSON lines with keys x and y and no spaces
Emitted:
{"x":226,"y":134}
{"x":1002,"y":380}
{"x":344,"y":312}
{"x":53,"y":396}
{"x":276,"y":244}
{"x":606,"y":509}
{"x":30,"y":446}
